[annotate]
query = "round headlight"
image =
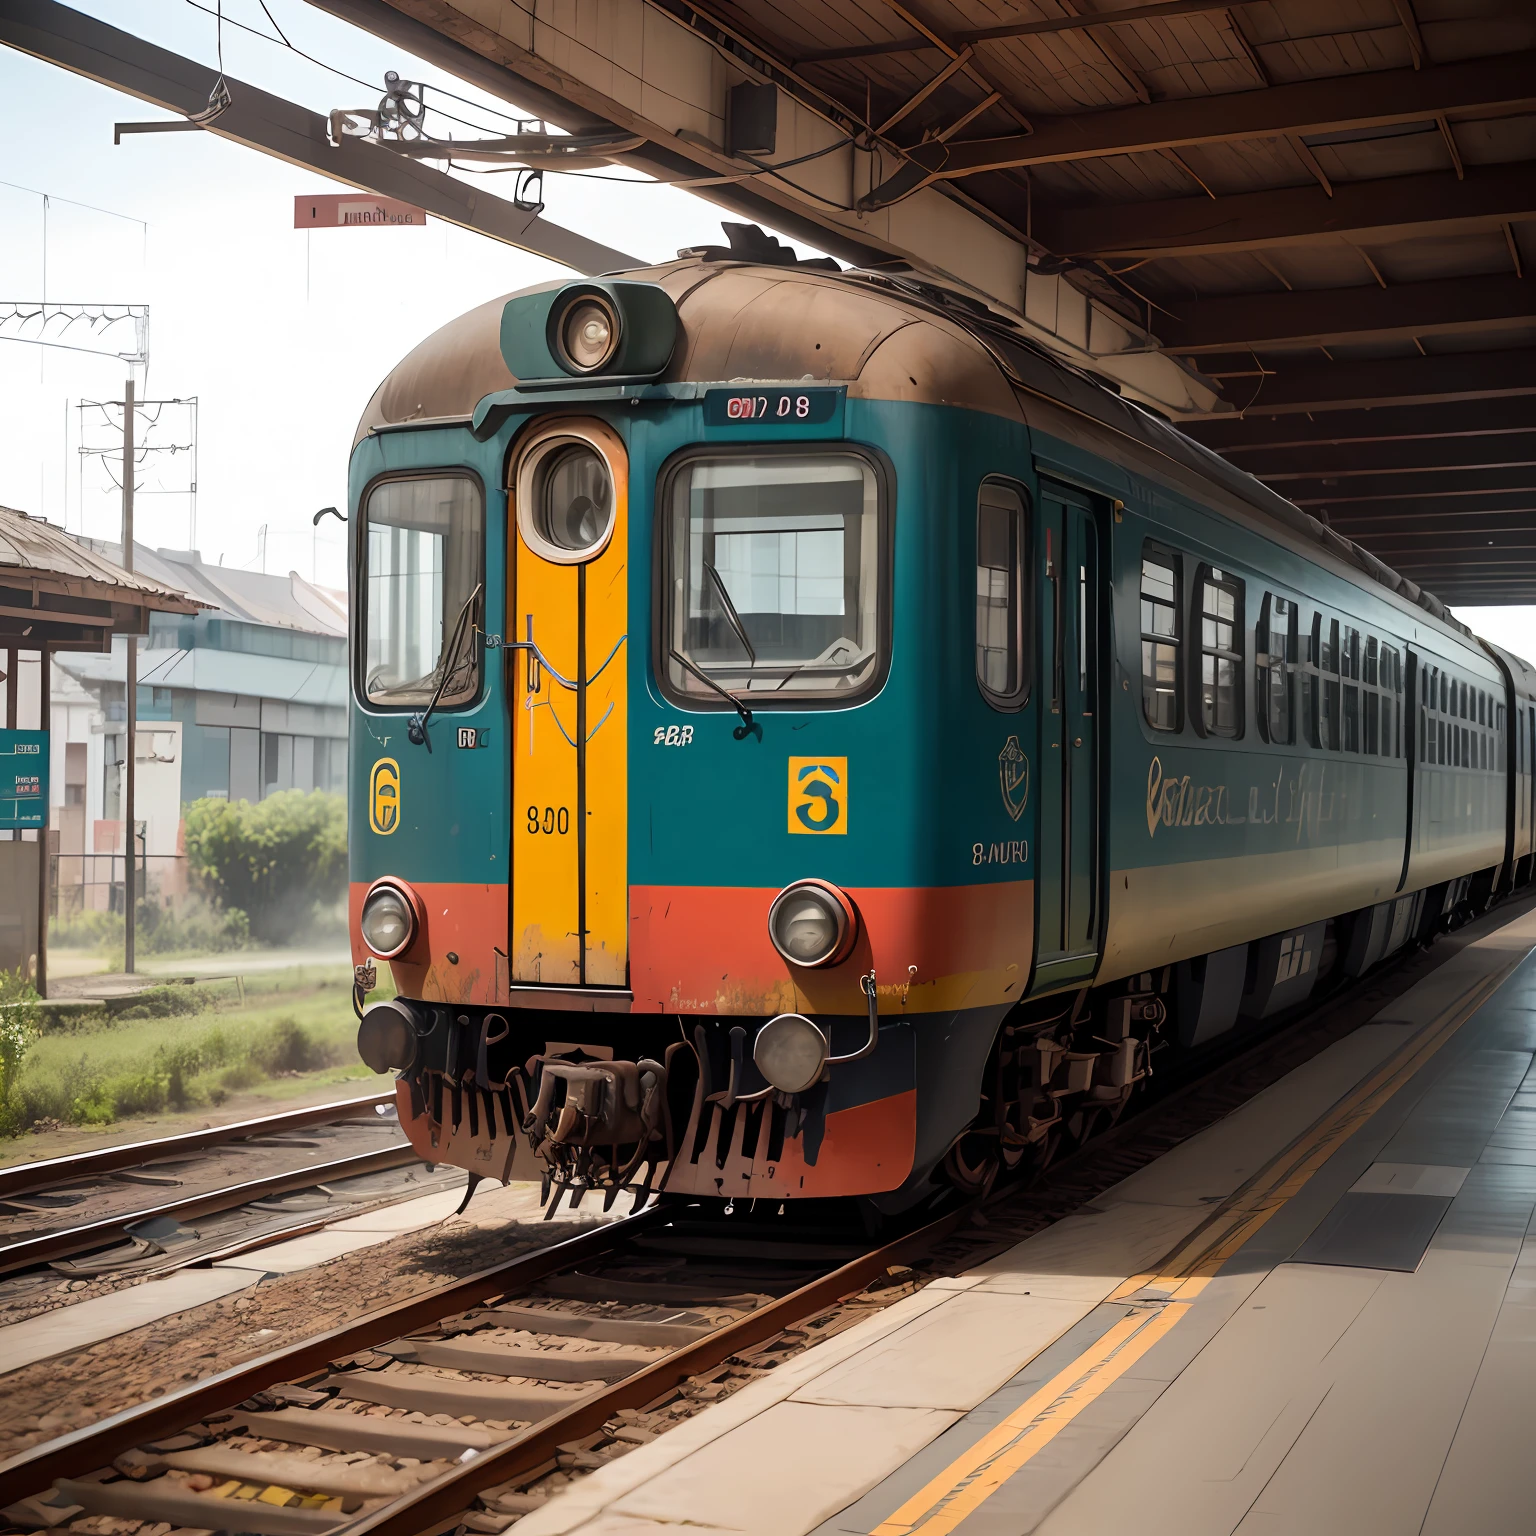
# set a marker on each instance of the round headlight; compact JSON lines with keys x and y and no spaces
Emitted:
{"x":589,"y":335}
{"x":790,"y":1052}
{"x":573,"y":499}
{"x":386,"y":1038}
{"x":810,"y":924}
{"x":388,"y":922}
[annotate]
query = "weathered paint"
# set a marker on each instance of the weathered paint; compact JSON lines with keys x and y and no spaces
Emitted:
{"x":1203,"y":842}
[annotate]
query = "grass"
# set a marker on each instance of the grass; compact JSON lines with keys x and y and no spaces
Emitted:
{"x":181,"y":1048}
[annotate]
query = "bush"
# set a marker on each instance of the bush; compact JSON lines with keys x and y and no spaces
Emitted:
{"x":16,"y":1034}
{"x":197,"y":927}
{"x":16,"y":987}
{"x":275,"y":861}
{"x":137,"y":1066}
{"x":165,"y":1003}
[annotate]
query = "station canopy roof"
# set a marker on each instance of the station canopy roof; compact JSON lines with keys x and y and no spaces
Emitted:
{"x":56,"y":592}
{"x":1315,"y":217}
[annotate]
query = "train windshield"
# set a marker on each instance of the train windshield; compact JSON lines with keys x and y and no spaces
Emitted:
{"x":423,"y":548}
{"x":774,"y":576}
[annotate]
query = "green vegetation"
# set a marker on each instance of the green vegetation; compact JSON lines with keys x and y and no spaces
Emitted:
{"x":195,"y":927}
{"x":179,"y":1047}
{"x":276,"y":861}
{"x":16,"y":987}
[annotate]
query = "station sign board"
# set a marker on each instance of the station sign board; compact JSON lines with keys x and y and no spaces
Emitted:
{"x":23,"y":780}
{"x":355,"y":210}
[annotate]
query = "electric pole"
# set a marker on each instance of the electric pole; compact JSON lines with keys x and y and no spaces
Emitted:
{"x":130,"y":693}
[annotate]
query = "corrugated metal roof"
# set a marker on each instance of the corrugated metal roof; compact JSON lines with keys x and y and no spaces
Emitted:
{"x":38,"y":552}
{"x":284,"y":602}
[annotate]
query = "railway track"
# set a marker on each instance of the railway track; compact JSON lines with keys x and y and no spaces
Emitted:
{"x":59,"y":1208}
{"x":473,"y":1404}
{"x":27,"y":1178}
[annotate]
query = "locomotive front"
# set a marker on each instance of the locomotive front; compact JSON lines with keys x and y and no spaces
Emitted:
{"x":655,"y":845}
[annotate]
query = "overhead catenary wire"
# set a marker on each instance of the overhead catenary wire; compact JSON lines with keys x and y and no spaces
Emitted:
{"x":686,"y":183}
{"x":281,"y":40}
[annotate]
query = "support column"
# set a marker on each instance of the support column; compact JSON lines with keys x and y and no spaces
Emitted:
{"x":44,"y":883}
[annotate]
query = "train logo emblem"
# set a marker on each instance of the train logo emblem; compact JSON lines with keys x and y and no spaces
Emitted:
{"x":818,"y":794}
{"x":384,"y":796}
{"x":1013,"y":776}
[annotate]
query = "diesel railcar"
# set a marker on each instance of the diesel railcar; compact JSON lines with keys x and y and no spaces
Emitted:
{"x":807,"y":742}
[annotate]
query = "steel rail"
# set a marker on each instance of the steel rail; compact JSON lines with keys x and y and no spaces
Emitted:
{"x":23,"y":1178}
{"x":49,"y":1246}
{"x":434,"y":1504}
{"x":33,"y":1470}
{"x":427,"y":1507}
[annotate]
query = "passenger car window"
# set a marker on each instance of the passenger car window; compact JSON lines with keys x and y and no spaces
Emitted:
{"x":1219,"y":608}
{"x":1311,"y":682}
{"x":423,"y":551}
{"x":1002,"y":626}
{"x":774,"y":578}
{"x":1275,"y":655}
{"x":1371,"y":699}
{"x":1349,"y":667}
{"x":1161,"y":701}
{"x":1391,"y":702}
{"x":1330,"y":669}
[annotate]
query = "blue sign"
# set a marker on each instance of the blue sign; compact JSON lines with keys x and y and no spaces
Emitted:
{"x":23,"y":779}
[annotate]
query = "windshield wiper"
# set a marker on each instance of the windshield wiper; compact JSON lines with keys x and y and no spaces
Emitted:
{"x":746,"y":727}
{"x":731,"y":614}
{"x":416,"y":727}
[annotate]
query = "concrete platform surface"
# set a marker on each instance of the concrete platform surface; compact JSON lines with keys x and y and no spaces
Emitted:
{"x":1166,"y":1360}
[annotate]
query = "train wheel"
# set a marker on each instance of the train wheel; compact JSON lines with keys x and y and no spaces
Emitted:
{"x":972,"y":1164}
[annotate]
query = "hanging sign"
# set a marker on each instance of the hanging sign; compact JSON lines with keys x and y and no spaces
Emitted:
{"x":359,"y":210}
{"x":23,"y":779}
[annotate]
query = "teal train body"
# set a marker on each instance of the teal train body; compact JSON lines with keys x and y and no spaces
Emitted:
{"x":808,"y":743}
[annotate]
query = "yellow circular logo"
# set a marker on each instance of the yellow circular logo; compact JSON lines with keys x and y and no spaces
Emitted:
{"x":384,"y":796}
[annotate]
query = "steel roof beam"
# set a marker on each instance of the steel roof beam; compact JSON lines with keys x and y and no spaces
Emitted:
{"x":1395,"y":551}
{"x":1239,"y":437}
{"x":1010,"y":30}
{"x":1379,"y":98}
{"x":1299,"y":386}
{"x":1513,"y":516}
{"x":1195,"y":226}
{"x":1500,"y":450}
{"x":1353,"y":514}
{"x":1260,"y":320}
{"x":91,"y":48}
{"x":1451,"y":485}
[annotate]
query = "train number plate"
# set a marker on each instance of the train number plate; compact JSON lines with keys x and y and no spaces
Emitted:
{"x":770,"y":407}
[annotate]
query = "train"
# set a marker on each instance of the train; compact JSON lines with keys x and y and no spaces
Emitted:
{"x":809,"y":743}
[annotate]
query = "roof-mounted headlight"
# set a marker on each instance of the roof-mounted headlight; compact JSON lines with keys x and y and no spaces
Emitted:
{"x":605,"y":331}
{"x":587,"y":333}
{"x":389,"y":923}
{"x":812,"y":923}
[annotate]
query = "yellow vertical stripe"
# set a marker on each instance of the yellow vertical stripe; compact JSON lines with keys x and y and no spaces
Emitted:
{"x":607,"y":873}
{"x":550,"y":898}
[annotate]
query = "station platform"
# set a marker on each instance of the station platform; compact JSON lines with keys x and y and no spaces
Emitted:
{"x":1317,"y":1316}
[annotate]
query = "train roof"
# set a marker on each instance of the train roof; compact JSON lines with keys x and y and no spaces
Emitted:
{"x":885,"y":336}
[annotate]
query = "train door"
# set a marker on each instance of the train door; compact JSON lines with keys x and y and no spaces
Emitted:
{"x":1070,"y":918}
{"x":567,"y":620}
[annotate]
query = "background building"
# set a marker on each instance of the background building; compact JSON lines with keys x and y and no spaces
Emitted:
{"x":237,"y":702}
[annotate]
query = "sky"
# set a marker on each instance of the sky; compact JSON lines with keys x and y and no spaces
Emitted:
{"x":281,"y":334}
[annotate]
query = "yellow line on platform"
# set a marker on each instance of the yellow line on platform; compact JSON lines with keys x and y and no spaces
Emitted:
{"x":974,"y":1476}
{"x":948,"y":1499}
